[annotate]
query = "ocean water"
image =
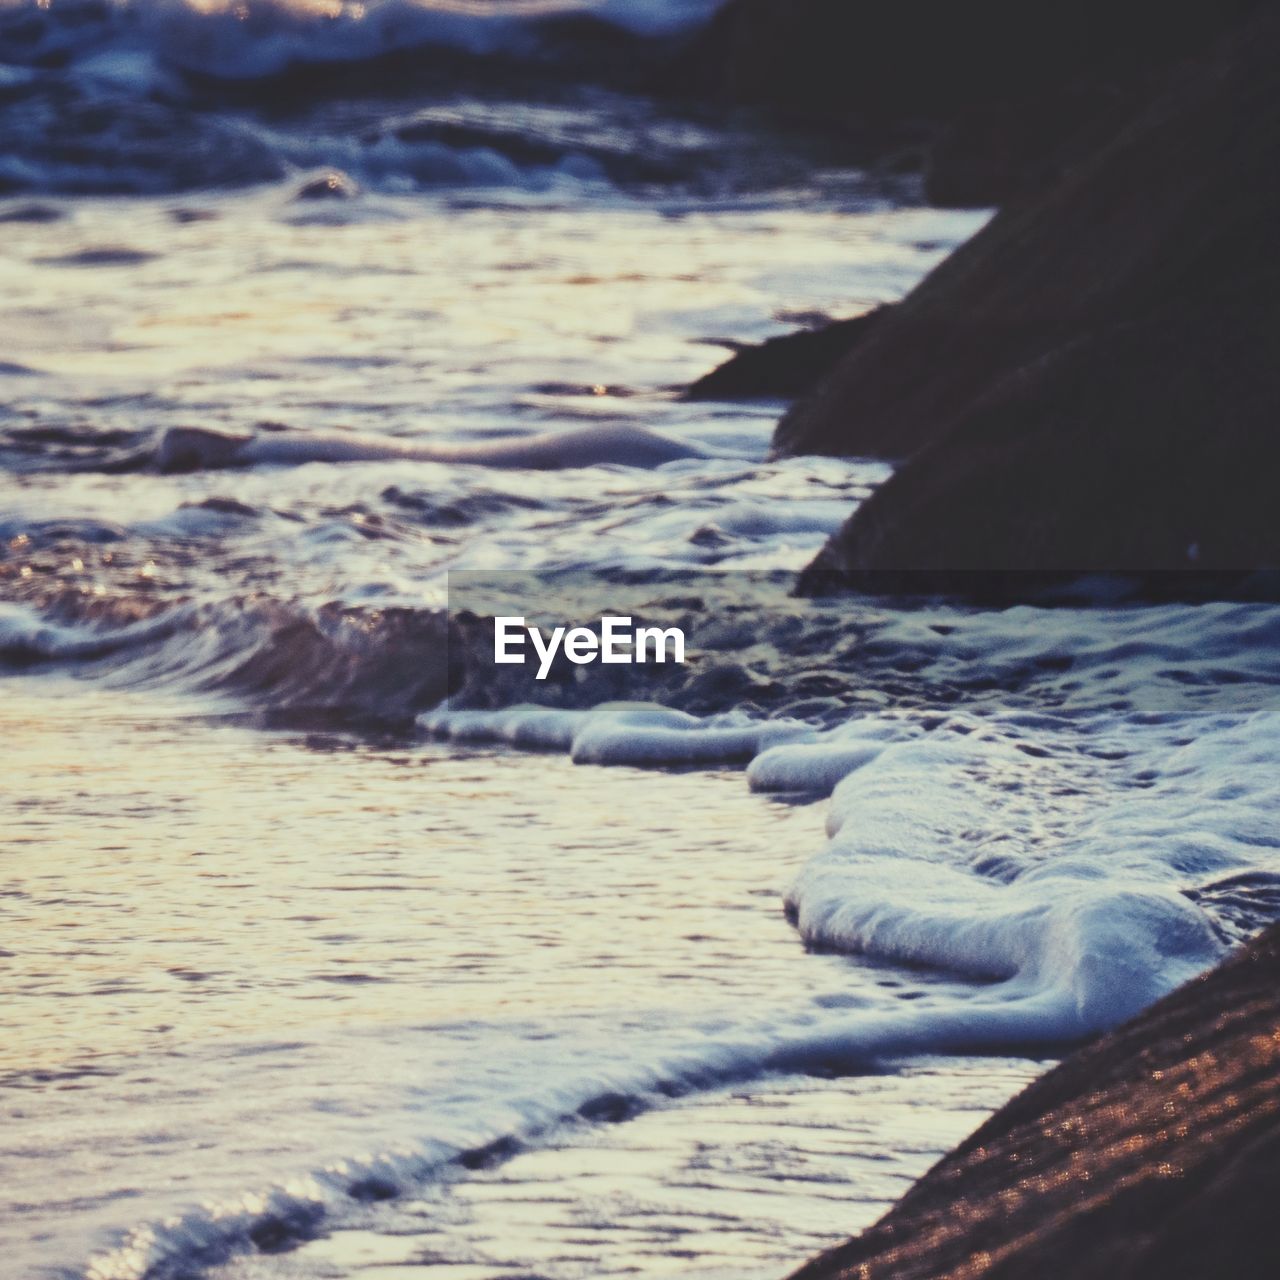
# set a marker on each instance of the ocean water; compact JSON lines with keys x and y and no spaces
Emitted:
{"x":313,"y":313}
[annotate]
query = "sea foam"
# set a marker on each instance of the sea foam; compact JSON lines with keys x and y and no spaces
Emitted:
{"x":947,"y":849}
{"x":1062,"y":856}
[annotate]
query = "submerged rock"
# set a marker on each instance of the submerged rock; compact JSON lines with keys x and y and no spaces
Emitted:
{"x":785,"y":367}
{"x":1153,"y":1154}
{"x":1090,"y":383}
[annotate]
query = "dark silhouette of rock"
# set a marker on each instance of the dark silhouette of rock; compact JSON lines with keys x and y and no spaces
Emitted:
{"x":1152,"y":1154}
{"x":990,"y":155}
{"x":1009,"y":82}
{"x":1090,"y":383}
{"x":785,"y":367}
{"x":938,"y":57}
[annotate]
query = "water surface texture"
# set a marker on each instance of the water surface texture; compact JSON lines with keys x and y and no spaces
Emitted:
{"x":306,"y":975}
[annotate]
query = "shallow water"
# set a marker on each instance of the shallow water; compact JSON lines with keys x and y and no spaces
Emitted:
{"x":232,"y":957}
{"x":734,"y":1182}
{"x":359,"y":327}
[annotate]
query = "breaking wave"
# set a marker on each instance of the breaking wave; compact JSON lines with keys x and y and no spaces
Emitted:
{"x":99,"y":97}
{"x":280,"y":662}
{"x":149,"y":45}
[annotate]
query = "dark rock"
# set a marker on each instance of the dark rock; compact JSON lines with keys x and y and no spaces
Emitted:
{"x":1011,"y":81}
{"x":785,"y":367}
{"x":1152,"y":1154}
{"x":993,"y":154}
{"x":937,"y":57}
{"x":1090,"y":383}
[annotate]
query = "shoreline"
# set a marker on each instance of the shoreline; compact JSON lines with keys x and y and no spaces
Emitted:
{"x":1149,"y":1154}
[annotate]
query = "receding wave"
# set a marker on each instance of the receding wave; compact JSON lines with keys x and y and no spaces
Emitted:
{"x":479,"y":1130}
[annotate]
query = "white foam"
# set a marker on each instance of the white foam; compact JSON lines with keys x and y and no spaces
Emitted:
{"x":1062,"y":880}
{"x":618,"y":733}
{"x":643,"y":737}
{"x":943,"y":853}
{"x":1021,"y":851}
{"x":816,"y":766}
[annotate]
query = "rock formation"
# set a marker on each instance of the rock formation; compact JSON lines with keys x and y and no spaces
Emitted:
{"x":1091,"y":382}
{"x":1153,"y":1154}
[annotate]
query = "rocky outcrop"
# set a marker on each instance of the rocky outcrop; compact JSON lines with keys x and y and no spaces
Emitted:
{"x":1010,"y":83}
{"x":935,"y":57}
{"x":785,"y":367}
{"x":1090,"y":383}
{"x":993,"y":154}
{"x":1153,"y":1154}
